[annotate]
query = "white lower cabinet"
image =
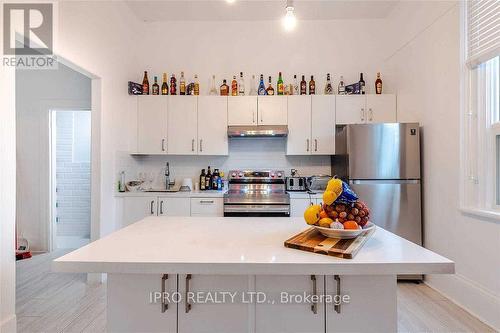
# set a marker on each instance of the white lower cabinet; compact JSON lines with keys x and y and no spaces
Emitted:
{"x":137,"y":208}
{"x":207,"y":207}
{"x":285,"y":315}
{"x":198,"y":316}
{"x":168,"y":206}
{"x":132,"y":311}
{"x":299,"y":205}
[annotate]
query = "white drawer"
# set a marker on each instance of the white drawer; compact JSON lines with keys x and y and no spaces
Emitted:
{"x":207,"y":207}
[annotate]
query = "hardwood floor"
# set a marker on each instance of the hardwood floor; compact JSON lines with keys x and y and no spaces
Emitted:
{"x":54,"y":302}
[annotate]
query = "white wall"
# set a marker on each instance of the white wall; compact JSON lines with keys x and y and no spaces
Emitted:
{"x":38,"y":92}
{"x":7,"y":196}
{"x":426,"y":65}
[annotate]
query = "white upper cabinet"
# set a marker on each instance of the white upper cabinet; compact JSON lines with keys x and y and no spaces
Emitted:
{"x":323,"y":125}
{"x":350,"y":109}
{"x":152,"y":124}
{"x":241,"y":110}
{"x":361,"y":109}
{"x":272,"y":110}
{"x":212,"y":125}
{"x":299,"y":125}
{"x":381,"y":108}
{"x":182,"y":125}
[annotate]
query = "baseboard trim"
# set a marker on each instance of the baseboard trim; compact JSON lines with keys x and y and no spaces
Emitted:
{"x":9,"y":325}
{"x":465,"y":293}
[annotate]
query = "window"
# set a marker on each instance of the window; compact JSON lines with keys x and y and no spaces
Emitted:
{"x":481,"y":130}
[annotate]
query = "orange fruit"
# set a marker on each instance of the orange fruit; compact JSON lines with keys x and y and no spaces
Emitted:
{"x":323,"y":214}
{"x":351,"y":225}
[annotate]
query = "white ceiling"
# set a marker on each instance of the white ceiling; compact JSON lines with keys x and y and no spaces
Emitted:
{"x":257,"y":10}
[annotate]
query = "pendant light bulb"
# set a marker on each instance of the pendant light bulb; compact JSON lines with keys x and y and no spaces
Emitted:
{"x":289,"y":20}
{"x":230,"y":1}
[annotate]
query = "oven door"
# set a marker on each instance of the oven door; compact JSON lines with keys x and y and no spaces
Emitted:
{"x":257,"y":210}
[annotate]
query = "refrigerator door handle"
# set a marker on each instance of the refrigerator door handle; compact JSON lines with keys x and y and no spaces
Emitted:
{"x":384,"y":181}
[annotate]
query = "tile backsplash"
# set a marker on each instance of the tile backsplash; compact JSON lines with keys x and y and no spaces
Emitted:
{"x":244,"y":153}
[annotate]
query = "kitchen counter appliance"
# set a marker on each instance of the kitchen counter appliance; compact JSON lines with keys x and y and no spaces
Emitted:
{"x":296,"y":184}
{"x":256,"y":193}
{"x":317,"y":184}
{"x":381,"y":162}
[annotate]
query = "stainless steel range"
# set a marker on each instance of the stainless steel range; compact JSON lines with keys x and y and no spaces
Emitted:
{"x":256,"y":193}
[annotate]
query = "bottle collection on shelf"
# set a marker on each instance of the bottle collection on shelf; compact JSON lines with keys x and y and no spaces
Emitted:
{"x":237,"y":87}
{"x":211,"y":181}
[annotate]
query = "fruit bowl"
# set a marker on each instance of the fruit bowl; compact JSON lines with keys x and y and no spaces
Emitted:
{"x":344,"y":233}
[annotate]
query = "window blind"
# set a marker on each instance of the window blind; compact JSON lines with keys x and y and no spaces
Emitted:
{"x":483,"y":31}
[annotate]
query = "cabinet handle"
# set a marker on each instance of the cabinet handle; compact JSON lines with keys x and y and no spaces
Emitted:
{"x":314,"y":306}
{"x":151,"y":206}
{"x":162,"y":144}
{"x":188,"y":305}
{"x":192,"y":145}
{"x":261,"y":117}
{"x":336,"y":307}
{"x":362,"y":114}
{"x":161,"y":207}
{"x":253,"y":117}
{"x":315,"y":144}
{"x":201,"y":144}
{"x":206,"y":201}
{"x":164,"y":305}
{"x":370,"y":114}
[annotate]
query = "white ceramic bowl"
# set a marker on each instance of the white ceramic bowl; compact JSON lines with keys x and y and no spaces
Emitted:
{"x":344,"y":233}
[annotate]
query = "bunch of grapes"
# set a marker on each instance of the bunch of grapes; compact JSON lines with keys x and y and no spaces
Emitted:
{"x":357,"y":211}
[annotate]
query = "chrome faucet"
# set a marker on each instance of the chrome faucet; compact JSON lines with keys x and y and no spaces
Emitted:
{"x":167,"y":176}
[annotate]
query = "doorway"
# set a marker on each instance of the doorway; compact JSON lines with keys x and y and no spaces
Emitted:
{"x":70,"y":154}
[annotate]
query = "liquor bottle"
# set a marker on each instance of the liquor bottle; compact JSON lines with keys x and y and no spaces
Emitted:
{"x":241,"y":85}
{"x":145,"y":84}
{"x":202,"y":180}
{"x":378,"y":84}
{"x":173,"y":85}
{"x":328,"y":85}
{"x":196,"y":85}
{"x":253,"y":92}
{"x":214,"y":179}
{"x":262,"y":88}
{"x":224,"y":88}
{"x":270,"y":89}
{"x":164,"y":85}
{"x":303,"y":86}
{"x":220,"y":181}
{"x":234,"y":86}
{"x":156,"y":88}
{"x":361,"y":84}
{"x":213,"y":90}
{"x":341,"y":89}
{"x":281,"y":88}
{"x":312,"y":86}
{"x":295,"y":85}
{"x":182,"y":85}
{"x":208,"y":179}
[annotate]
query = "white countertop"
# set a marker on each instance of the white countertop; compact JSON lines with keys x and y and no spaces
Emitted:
{"x":248,"y":245}
{"x":206,"y":194}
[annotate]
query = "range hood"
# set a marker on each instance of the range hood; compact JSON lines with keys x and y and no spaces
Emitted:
{"x":257,"y":131}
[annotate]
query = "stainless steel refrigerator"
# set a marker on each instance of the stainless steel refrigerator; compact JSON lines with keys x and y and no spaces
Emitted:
{"x":381,"y":162}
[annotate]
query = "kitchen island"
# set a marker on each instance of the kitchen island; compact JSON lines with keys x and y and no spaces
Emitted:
{"x":235,"y":275}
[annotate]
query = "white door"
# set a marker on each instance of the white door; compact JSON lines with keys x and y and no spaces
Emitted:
{"x":129,"y":308}
{"x":182,"y":125}
{"x":298,"y":141}
{"x":151,"y":124}
{"x":381,"y":108}
{"x":241,"y":110}
{"x":168,"y":206}
{"x":323,"y":125}
{"x":272,"y":110}
{"x":350,"y":109}
{"x":211,"y":317}
{"x":137,"y":208}
{"x":371,"y":307}
{"x":212,"y":125}
{"x":283,"y":316}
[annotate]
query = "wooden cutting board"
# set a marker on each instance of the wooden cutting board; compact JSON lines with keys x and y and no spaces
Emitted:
{"x":312,"y":240}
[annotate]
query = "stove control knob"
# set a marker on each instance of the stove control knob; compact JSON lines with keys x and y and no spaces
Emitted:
{"x":240,"y":174}
{"x":233,"y":174}
{"x":273,"y":175}
{"x":279,"y":175}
